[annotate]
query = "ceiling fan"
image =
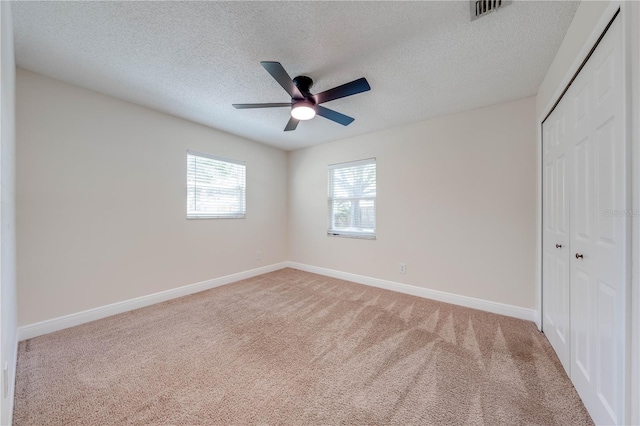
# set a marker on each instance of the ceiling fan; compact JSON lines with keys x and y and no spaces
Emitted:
{"x":304,"y":105}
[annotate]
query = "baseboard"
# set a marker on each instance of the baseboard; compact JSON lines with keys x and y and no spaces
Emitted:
{"x":49,"y":326}
{"x":441,"y":296}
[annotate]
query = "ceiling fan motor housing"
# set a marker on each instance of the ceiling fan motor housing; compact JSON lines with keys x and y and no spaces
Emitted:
{"x":303,"y":83}
{"x":302,"y":102}
{"x":302,"y":109}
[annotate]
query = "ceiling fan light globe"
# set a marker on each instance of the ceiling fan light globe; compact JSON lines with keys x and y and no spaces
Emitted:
{"x":303,"y":112}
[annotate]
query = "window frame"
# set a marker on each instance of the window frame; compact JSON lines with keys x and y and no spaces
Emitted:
{"x":331,"y":232}
{"x":244,"y":192}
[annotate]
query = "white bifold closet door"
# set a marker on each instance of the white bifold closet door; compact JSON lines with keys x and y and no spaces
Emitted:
{"x":557,"y":255}
{"x":584,"y":230}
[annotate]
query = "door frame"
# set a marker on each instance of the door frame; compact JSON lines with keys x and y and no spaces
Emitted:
{"x":630,"y":17}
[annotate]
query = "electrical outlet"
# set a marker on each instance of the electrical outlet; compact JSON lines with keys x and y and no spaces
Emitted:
{"x":258,"y":255}
{"x":402,"y":268}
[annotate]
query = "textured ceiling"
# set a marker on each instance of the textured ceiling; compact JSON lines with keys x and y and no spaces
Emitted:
{"x":194,"y":59}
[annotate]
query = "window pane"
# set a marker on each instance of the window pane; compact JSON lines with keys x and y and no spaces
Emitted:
{"x":215,"y":188}
{"x":366,"y":217}
{"x":350,"y":182}
{"x":341,"y":214}
{"x":352,"y":198}
{"x":354,"y":216}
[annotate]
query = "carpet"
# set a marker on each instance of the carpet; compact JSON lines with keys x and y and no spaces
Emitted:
{"x":290,"y":347}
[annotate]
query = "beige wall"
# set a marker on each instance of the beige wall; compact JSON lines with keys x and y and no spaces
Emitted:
{"x":456,"y":203}
{"x":102,"y":202}
{"x":7,"y":209}
{"x":583,"y":23}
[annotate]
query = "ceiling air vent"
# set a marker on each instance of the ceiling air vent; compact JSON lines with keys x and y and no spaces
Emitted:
{"x":480,"y":8}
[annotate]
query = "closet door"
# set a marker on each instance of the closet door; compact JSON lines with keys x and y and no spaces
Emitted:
{"x":598,"y":231}
{"x":556,"y":234}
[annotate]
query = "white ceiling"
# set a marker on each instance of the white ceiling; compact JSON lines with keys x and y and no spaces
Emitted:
{"x":194,"y":59}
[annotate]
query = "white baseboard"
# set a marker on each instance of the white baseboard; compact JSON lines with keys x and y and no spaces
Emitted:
{"x":455,"y":299}
{"x":49,"y":326}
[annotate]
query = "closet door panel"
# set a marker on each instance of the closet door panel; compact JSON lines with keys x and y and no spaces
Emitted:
{"x":581,"y":324}
{"x":598,"y":230}
{"x":606,"y":197}
{"x":563,"y":303}
{"x":581,"y":191}
{"x":585,"y":230}
{"x":556,"y":234}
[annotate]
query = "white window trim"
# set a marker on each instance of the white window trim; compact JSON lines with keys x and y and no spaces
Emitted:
{"x":351,"y":234}
{"x":220,"y":216}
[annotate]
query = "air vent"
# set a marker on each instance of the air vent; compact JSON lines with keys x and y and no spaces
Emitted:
{"x":480,"y":8}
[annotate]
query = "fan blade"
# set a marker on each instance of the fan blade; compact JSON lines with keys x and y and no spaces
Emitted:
{"x":292,"y":124}
{"x":276,"y":105}
{"x":332,"y":115}
{"x":352,"y":88}
{"x":280,"y":75}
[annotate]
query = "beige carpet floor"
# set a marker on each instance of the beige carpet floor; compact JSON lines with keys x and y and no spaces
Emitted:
{"x":295,"y":348}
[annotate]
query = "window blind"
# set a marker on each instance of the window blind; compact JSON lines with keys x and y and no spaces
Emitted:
{"x":352,"y":199}
{"x":216,"y":187}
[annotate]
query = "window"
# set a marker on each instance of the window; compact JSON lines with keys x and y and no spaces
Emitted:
{"x":352,"y":199}
{"x":216,"y":187}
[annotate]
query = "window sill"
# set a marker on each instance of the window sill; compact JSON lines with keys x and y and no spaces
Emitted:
{"x":349,"y":235}
{"x":215,"y":217}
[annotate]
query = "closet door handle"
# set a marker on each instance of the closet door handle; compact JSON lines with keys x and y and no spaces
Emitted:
{"x":558,"y":245}
{"x":579,"y":256}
